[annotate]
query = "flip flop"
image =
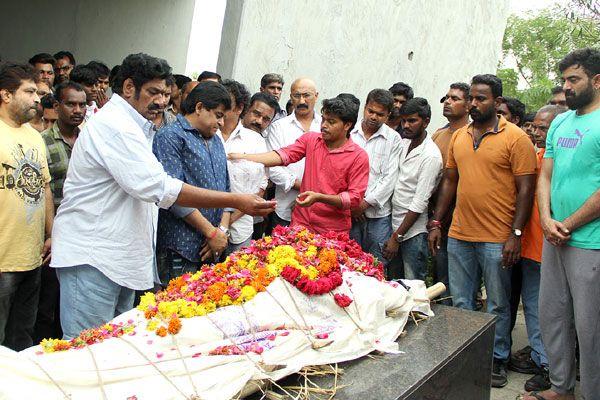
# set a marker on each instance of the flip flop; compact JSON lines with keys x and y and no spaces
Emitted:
{"x":536,"y":394}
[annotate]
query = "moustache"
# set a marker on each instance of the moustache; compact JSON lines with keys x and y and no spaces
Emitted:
{"x":257,"y":126}
{"x":154,"y":107}
{"x":569,"y":93}
{"x":299,"y":106}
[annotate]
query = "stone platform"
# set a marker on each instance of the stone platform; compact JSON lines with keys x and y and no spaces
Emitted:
{"x":447,"y":357}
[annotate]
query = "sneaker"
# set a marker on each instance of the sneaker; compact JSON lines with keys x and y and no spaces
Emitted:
{"x":523,"y":364}
{"x":499,"y":378}
{"x":539,"y":382}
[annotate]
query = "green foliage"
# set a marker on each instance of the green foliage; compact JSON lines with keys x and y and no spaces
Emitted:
{"x":537,"y":43}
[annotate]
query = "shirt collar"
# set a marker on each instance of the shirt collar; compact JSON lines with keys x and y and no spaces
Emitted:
{"x":499,"y":127}
{"x":293,"y":118}
{"x":382,"y":131}
{"x":56,"y":132}
{"x":142,"y":122}
{"x":346,"y":147}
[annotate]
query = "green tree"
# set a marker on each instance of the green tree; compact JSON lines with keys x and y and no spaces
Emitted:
{"x":536,"y":43}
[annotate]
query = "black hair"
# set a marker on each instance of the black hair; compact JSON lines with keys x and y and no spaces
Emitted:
{"x":47,"y":101}
{"x":529,"y":117}
{"x":113,"y":79}
{"x":557,"y":89}
{"x":61,"y":87}
{"x":382,"y":97}
{"x":266,"y":98}
{"x":490,"y":80}
{"x":42,"y":58}
{"x":209,"y":75}
{"x":349,"y":97}
{"x":140,"y":68}
{"x":65,"y":54}
{"x":84,"y":75}
{"x":240,"y":94}
{"x":170,"y":80}
{"x":343,"y":108}
{"x":210,"y":94}
{"x":12,"y":75}
{"x":417,"y":105}
{"x":101,"y":69}
{"x":588,"y":59}
{"x":462,"y":86}
{"x":402,"y":89}
{"x":267,"y":79}
{"x":181,"y":80}
{"x":289,"y":107}
{"x":516,"y":108}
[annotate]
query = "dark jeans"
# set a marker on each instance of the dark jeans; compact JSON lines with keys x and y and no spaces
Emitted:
{"x":19,"y":295}
{"x":278,"y":221}
{"x":47,"y":324}
{"x":441,"y":268}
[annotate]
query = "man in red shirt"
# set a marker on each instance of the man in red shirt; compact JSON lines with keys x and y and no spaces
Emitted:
{"x":336,"y":172}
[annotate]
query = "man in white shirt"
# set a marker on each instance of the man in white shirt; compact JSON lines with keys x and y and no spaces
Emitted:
{"x":244,"y":176}
{"x":104,"y":232}
{"x":419,"y":172}
{"x":284,"y":132}
{"x":371,"y":221}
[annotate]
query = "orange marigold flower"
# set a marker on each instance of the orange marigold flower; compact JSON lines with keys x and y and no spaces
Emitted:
{"x":162,"y":331}
{"x":150,"y":313}
{"x":216,"y":291}
{"x":174,"y":325}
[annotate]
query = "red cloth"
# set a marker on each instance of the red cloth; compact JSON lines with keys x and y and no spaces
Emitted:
{"x":343,"y":171}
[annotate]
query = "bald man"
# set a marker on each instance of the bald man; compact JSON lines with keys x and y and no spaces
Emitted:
{"x":285,"y":131}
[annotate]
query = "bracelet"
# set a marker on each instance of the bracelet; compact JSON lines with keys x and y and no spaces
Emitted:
{"x":213,"y":234}
{"x":434,"y":223}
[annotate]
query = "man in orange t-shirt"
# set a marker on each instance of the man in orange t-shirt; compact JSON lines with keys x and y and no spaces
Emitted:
{"x":531,"y":257}
{"x":491,"y":172}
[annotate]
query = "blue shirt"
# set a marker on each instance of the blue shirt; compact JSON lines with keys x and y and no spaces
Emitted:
{"x":573,"y":142}
{"x":195,"y":160}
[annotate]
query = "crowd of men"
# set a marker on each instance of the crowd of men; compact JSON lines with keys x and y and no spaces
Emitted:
{"x":114,"y":180}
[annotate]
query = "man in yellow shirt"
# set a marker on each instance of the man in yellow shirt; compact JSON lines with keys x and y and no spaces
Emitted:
{"x":26,"y":206}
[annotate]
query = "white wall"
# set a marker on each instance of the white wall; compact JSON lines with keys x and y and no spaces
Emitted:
{"x":357,"y":45}
{"x":106,"y":30}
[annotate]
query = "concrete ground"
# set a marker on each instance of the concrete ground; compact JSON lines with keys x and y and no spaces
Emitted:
{"x":515,"y":380}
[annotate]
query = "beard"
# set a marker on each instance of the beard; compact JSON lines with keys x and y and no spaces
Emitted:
{"x":576,"y":101}
{"x":478,"y":116}
{"x":395,"y":114}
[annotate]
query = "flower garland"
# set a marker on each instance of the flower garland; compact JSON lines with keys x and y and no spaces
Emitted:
{"x":310,"y":262}
{"x":89,"y":337}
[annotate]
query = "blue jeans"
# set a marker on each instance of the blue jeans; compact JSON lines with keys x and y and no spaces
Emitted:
{"x":414,"y":254}
{"x":467,"y":263}
{"x":372,"y":234}
{"x":530,"y":293}
{"x":89,"y":299}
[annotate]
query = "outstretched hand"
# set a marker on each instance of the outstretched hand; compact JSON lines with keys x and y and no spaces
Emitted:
{"x":254,"y":205}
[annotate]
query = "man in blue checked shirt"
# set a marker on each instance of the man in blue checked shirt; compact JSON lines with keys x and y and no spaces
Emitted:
{"x":190,"y":151}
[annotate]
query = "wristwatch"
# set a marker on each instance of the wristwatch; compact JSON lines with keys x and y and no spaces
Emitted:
{"x":224,"y":230}
{"x":399,"y":238}
{"x":517,"y":232}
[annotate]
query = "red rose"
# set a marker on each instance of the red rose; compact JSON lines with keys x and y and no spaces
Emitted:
{"x":342,"y":300}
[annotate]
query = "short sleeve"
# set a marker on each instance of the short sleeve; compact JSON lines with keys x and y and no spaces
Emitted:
{"x":523,"y":160}
{"x":451,"y":162}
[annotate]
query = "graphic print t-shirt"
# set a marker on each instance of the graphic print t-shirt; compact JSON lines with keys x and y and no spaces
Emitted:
{"x":23,"y":175}
{"x":573,"y":142}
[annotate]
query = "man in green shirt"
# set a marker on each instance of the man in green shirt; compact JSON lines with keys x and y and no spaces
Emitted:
{"x":70,"y":107}
{"x":569,"y":205}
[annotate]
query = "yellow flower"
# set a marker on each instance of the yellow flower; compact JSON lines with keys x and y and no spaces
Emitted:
{"x":247,"y":293}
{"x":152,"y":325}
{"x":148,"y":299}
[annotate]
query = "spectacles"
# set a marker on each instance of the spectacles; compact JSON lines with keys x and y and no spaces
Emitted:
{"x":305,"y":96}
